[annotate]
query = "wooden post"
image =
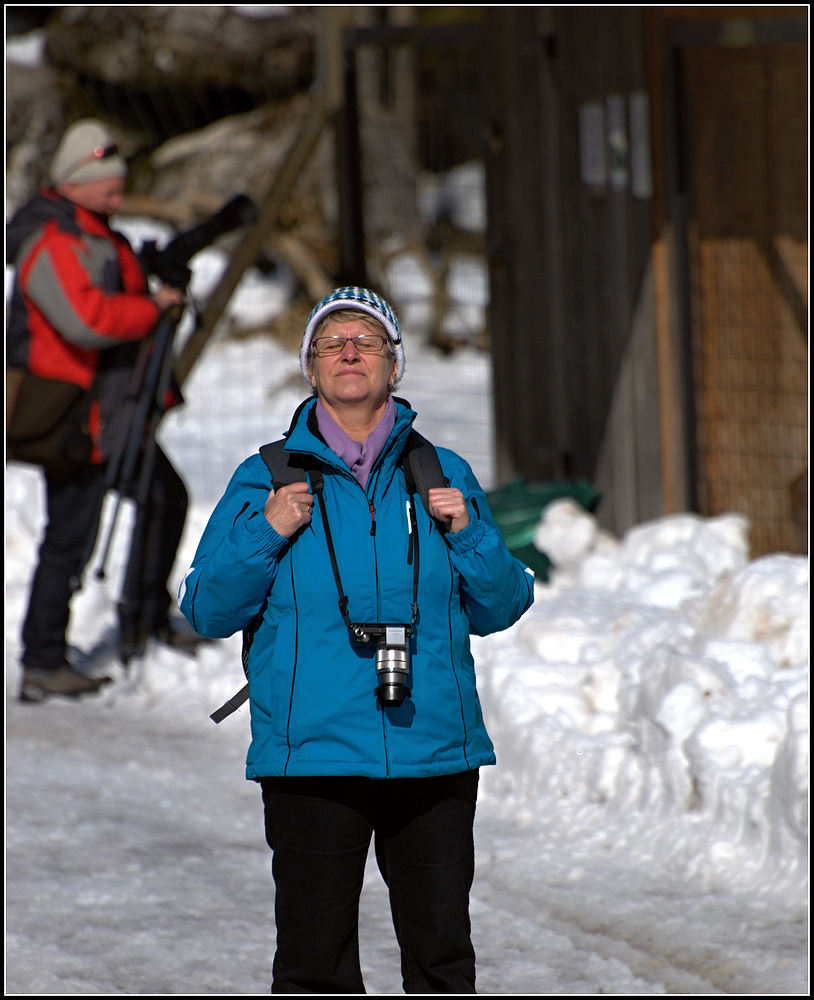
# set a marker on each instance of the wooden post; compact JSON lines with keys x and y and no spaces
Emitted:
{"x":352,"y":258}
{"x":252,"y":243}
{"x":672,"y":419}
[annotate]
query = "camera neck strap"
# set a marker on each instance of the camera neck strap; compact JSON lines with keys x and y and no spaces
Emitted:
{"x":317,"y":487}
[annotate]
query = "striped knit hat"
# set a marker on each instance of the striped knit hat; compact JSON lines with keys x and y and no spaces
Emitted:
{"x":361,"y":300}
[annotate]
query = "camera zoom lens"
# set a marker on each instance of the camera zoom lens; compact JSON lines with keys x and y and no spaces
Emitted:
{"x":392,"y":668}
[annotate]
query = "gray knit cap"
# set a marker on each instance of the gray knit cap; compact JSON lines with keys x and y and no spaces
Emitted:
{"x":87,"y":153}
{"x":362,"y":300}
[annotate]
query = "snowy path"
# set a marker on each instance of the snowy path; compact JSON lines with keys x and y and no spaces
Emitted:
{"x":135,"y":864}
{"x":578,"y":932}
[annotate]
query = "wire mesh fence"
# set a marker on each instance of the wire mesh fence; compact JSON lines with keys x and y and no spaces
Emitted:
{"x":423,"y":206}
{"x":205,"y":109}
{"x":424,"y":219}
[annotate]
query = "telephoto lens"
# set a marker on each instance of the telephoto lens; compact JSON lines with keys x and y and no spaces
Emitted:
{"x":393,"y":665}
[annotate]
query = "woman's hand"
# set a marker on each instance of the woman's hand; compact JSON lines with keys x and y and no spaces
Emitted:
{"x":449,"y":505}
{"x":289,"y":508}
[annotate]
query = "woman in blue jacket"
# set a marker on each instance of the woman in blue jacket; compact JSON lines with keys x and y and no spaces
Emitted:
{"x":358,"y":604}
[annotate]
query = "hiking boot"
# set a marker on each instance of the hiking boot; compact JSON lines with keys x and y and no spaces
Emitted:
{"x":65,"y":682}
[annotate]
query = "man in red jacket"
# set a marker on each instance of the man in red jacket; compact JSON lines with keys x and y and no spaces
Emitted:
{"x":81,"y":306}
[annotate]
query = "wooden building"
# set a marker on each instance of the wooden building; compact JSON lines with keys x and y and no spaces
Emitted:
{"x":648,"y":217}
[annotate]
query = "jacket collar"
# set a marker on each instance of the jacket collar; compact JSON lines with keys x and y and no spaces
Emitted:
{"x":303,"y":436}
{"x":50,"y":206}
{"x":46,"y":206}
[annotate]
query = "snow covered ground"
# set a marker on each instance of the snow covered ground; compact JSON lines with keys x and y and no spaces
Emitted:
{"x":644,"y":832}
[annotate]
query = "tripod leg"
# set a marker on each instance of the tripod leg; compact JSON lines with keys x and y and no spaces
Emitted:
{"x":157,"y":532}
{"x":132,"y":630}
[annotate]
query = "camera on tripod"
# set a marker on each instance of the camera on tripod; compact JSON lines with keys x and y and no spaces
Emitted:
{"x":171,"y":265}
{"x":392,"y":659}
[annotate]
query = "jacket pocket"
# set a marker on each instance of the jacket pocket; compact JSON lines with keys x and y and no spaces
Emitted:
{"x":274,"y":674}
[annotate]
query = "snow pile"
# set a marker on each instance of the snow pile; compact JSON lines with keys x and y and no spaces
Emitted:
{"x":664,"y":678}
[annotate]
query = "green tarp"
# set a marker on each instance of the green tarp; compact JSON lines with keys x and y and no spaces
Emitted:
{"x":518,"y":507}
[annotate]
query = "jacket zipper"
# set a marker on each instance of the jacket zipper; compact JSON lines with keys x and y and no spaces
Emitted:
{"x":372,"y":509}
{"x":378,"y":610}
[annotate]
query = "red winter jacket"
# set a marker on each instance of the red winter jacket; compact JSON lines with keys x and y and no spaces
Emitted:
{"x":81,"y":286}
{"x":80,"y":292}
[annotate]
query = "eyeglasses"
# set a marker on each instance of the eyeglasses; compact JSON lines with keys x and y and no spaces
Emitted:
{"x":366,"y":343}
{"x":98,"y":153}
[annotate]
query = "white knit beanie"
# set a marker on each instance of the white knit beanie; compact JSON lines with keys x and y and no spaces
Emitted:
{"x":362,"y":300}
{"x":86,"y":153}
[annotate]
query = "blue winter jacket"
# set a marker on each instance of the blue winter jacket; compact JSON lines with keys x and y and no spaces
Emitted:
{"x":312,"y":687}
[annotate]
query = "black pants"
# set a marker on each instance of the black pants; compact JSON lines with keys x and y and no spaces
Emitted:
{"x":74,"y":505}
{"x":319,"y":830}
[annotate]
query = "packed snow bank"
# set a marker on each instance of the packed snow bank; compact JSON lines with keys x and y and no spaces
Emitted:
{"x":664,"y":678}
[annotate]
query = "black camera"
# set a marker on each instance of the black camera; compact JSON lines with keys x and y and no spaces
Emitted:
{"x":392,"y":659}
{"x":170,"y":265}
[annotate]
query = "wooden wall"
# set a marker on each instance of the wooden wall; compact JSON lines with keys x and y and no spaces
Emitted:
{"x":745,"y":124}
{"x":569,"y":254}
{"x":649,"y":333}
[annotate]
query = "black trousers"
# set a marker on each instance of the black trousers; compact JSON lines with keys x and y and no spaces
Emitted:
{"x":319,"y":830}
{"x":74,"y":506}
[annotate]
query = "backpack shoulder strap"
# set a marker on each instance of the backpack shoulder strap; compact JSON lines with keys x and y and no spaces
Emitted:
{"x":422,"y":470}
{"x":285,"y":468}
{"x":288,"y":467}
{"x":281,"y":464}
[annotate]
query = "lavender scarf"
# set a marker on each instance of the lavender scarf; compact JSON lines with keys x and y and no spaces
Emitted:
{"x":358,"y":456}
